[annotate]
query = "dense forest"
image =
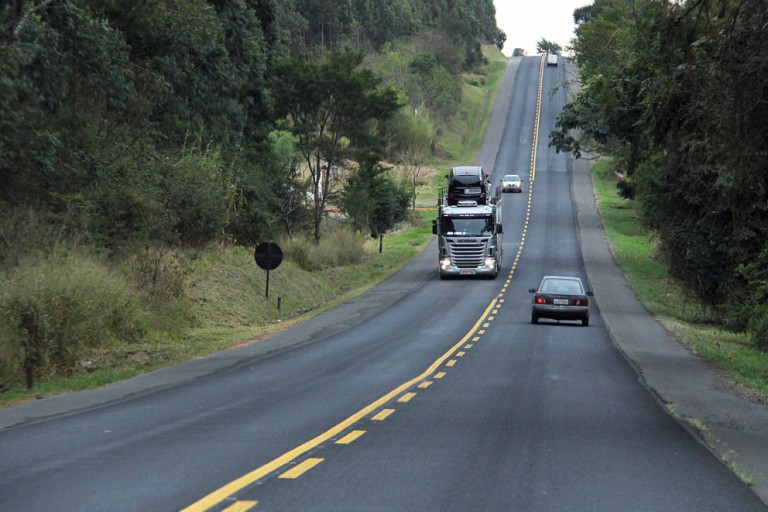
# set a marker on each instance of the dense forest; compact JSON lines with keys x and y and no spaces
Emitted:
{"x":677,"y":94}
{"x":137,"y":137}
{"x":156,"y":121}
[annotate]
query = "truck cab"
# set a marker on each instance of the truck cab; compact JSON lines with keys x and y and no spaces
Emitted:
{"x":469,"y":239}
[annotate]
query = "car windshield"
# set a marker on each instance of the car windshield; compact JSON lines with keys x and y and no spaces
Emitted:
{"x":512,"y":177}
{"x":467,"y":226}
{"x":569,"y":286}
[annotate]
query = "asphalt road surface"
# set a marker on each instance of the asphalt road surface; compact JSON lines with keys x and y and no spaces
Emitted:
{"x":421,"y":395}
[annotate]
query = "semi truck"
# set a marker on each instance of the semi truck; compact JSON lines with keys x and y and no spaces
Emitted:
{"x":469,"y":237}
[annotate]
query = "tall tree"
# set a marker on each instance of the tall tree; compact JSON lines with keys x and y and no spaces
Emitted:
{"x":414,"y":138}
{"x":373,"y":200}
{"x":332,"y":106}
{"x":676,"y":92}
{"x":545,"y":46}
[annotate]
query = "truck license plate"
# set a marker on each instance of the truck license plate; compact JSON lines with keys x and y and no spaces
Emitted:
{"x":467,"y":272}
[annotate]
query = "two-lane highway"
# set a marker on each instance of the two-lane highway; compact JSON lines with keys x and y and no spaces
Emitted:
{"x":446,"y":399}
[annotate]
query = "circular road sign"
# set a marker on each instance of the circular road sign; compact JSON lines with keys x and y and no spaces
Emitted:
{"x":268,"y":256}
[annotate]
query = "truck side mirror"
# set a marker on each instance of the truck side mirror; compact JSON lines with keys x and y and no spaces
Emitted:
{"x":434,"y":227}
{"x":499,"y":229}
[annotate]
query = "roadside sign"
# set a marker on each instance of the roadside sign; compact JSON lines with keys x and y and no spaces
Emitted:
{"x":268,"y":256}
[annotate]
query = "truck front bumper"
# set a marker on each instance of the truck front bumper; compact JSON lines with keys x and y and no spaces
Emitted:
{"x":488,"y":269}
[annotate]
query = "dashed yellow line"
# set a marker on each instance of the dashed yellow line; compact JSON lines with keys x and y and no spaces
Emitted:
{"x":531,"y":180}
{"x":238,"y":484}
{"x":406,"y":398}
{"x":351,"y":437}
{"x":300,"y":469}
{"x":384,"y":414}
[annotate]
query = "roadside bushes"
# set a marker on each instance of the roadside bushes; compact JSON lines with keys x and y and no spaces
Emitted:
{"x":337,"y":248}
{"x":758,"y":328}
{"x":53,"y":309}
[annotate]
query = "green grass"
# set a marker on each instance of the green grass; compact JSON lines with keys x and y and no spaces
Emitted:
{"x":226,"y":293}
{"x":695,"y":325}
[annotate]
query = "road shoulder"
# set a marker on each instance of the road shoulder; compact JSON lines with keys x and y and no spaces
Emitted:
{"x":732,"y":426}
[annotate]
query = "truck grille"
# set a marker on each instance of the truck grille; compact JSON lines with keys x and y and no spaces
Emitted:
{"x":467,"y":255}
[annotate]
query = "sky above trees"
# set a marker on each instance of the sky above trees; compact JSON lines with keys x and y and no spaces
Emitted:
{"x":527,"y":21}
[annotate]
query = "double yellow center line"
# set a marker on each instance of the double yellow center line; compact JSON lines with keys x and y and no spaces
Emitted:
{"x":232,"y":488}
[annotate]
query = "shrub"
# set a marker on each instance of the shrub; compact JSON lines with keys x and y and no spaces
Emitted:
{"x":337,"y":248}
{"x":53,"y":309}
{"x":199,"y":195}
{"x":299,"y":251}
{"x":159,"y":273}
{"x":758,"y":327}
{"x":24,"y":229}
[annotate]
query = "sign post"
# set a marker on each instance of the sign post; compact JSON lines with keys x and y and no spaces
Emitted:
{"x":268,"y":256}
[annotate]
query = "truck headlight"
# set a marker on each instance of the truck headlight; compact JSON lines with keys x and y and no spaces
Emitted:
{"x":490,"y":262}
{"x":445,"y":263}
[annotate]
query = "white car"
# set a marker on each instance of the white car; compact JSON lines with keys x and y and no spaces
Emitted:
{"x":551,"y":60}
{"x":512,"y":183}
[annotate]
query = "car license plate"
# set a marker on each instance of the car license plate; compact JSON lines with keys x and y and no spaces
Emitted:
{"x":472,"y":191}
{"x":560,"y":302}
{"x":467,"y":272}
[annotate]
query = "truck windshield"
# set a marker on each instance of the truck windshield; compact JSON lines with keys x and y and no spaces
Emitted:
{"x":466,"y":226}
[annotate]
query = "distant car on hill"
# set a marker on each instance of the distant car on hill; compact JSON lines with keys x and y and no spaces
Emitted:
{"x":552,"y":60}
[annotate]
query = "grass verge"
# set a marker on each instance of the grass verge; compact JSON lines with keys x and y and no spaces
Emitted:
{"x":226,"y":291}
{"x":696,"y":326}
